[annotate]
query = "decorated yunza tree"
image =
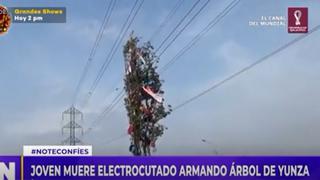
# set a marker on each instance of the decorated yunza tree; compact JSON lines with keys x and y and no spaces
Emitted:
{"x":144,"y":101}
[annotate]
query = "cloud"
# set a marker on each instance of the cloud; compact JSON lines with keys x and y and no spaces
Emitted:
{"x":270,"y":109}
{"x":83,"y":30}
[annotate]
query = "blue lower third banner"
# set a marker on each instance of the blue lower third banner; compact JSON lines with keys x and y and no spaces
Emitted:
{"x":160,"y":167}
{"x":10,"y":167}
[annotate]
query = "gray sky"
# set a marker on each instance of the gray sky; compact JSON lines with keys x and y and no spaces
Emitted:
{"x":272,"y":109}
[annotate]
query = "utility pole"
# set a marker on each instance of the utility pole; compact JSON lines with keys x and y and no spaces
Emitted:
{"x":71,"y":128}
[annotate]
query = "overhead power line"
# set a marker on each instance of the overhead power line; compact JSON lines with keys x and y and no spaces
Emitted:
{"x":102,"y":28}
{"x":117,"y":138}
{"x":124,"y":29}
{"x":94,"y":48}
{"x":167,"y":19}
{"x":184,"y":27}
{"x":214,"y":86}
{"x":177,"y":26}
{"x":116,"y":100}
{"x":202,"y":33}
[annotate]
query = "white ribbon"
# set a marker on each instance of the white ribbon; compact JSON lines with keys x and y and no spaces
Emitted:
{"x":128,"y":69}
{"x":141,"y":58}
{"x":152,"y":94}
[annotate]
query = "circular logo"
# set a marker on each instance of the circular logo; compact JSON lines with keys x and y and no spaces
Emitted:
{"x":5,"y":20}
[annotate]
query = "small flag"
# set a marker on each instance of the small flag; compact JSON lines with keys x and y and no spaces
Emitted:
{"x":141,"y":58}
{"x":128,"y":68}
{"x":130,"y":129}
{"x":152,"y":94}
